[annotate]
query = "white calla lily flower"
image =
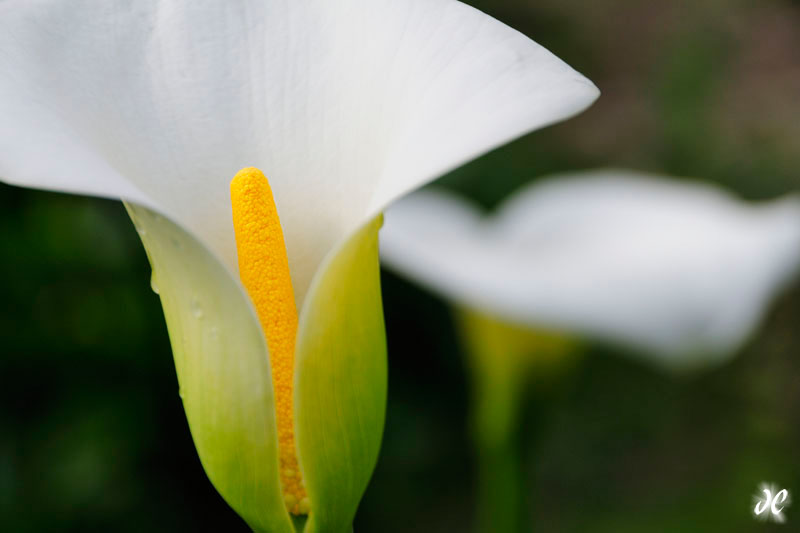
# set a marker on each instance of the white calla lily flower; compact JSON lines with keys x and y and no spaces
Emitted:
{"x":345,"y":105}
{"x":676,"y":270}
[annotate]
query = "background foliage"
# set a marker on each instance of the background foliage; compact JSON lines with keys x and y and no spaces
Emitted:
{"x":93,"y":437}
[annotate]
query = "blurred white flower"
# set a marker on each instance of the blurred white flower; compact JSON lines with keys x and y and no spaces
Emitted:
{"x":674,"y":269}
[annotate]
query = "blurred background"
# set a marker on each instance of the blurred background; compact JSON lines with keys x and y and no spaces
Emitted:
{"x":92,"y":433}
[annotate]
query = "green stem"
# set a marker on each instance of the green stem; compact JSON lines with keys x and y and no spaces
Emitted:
{"x":501,"y":489}
{"x":505,"y":361}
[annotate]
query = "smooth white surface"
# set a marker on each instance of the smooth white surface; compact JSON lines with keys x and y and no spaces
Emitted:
{"x":344,"y":104}
{"x":669,"y":267}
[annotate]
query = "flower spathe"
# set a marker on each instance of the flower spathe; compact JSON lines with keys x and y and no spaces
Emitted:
{"x":681,"y":272}
{"x":345,"y":105}
{"x":226,"y":380}
{"x":677,"y":270}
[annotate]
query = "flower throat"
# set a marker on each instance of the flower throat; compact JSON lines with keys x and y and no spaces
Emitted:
{"x":264,"y":272}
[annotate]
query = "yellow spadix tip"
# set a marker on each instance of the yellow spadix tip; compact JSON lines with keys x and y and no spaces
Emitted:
{"x":264,"y":272}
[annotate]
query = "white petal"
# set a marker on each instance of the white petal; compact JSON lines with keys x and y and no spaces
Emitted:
{"x":433,"y":237}
{"x":344,"y":104}
{"x":671,"y":267}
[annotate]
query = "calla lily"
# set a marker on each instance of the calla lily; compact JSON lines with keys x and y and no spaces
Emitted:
{"x":345,"y":105}
{"x":672,"y":269}
{"x":680,"y":272}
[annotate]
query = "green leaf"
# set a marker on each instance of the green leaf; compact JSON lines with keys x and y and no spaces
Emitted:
{"x":223,"y":370}
{"x":340,"y":384}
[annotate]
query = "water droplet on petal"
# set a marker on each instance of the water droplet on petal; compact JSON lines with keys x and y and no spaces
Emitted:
{"x":197,"y":309}
{"x":153,"y":284}
{"x":214,"y":332}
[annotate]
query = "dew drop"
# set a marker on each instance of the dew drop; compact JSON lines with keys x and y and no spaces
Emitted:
{"x":140,"y":230}
{"x":197,"y":310}
{"x":214,"y":332}
{"x":153,"y":283}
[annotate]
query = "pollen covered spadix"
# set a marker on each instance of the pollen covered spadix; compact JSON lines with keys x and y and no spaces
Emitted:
{"x":264,"y":272}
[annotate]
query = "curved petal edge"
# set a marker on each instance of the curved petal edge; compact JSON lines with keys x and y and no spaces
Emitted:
{"x":341,"y":381}
{"x":223,"y":369}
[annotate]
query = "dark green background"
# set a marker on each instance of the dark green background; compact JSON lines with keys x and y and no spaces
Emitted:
{"x":93,"y":437}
